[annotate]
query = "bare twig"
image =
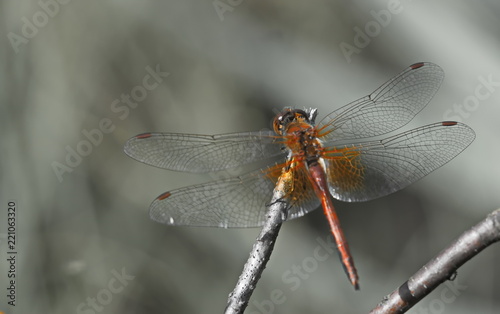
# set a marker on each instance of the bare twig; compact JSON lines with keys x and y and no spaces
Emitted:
{"x":261,"y":251}
{"x":442,"y":267}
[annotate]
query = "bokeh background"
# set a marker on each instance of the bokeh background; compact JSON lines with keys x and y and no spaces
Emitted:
{"x":232,"y":65}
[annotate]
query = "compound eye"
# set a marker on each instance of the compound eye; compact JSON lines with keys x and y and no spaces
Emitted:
{"x":287,"y":118}
{"x":282,"y":120}
{"x":301,"y":115}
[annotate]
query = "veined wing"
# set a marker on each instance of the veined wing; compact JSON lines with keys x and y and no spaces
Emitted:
{"x":365,"y":171}
{"x":388,"y":108}
{"x":202,"y":153}
{"x":235,"y":202}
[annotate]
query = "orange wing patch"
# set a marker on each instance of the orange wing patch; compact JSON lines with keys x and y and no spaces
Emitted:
{"x":302,"y":191}
{"x":298,"y":186}
{"x":344,"y":169}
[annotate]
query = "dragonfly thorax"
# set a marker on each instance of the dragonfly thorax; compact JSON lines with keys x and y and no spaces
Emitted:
{"x":302,"y":142}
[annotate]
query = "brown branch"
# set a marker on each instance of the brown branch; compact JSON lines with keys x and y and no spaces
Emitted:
{"x":442,"y":267}
{"x":261,"y":251}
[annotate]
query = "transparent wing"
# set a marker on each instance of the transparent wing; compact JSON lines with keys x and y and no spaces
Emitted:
{"x":202,"y":153}
{"x":365,"y":171}
{"x":235,"y":202}
{"x":388,"y":108}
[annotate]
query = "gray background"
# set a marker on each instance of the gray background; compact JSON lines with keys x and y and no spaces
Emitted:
{"x":230,"y":72}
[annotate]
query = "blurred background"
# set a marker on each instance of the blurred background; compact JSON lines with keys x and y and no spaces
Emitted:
{"x":85,"y":242}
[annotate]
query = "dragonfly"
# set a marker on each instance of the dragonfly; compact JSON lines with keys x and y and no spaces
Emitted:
{"x":332,"y":159}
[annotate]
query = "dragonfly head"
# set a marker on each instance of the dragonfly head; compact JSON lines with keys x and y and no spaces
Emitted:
{"x":283,"y":120}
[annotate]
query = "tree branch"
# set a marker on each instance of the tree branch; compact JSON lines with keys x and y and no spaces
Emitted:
{"x":262,"y":249}
{"x":442,"y":267}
